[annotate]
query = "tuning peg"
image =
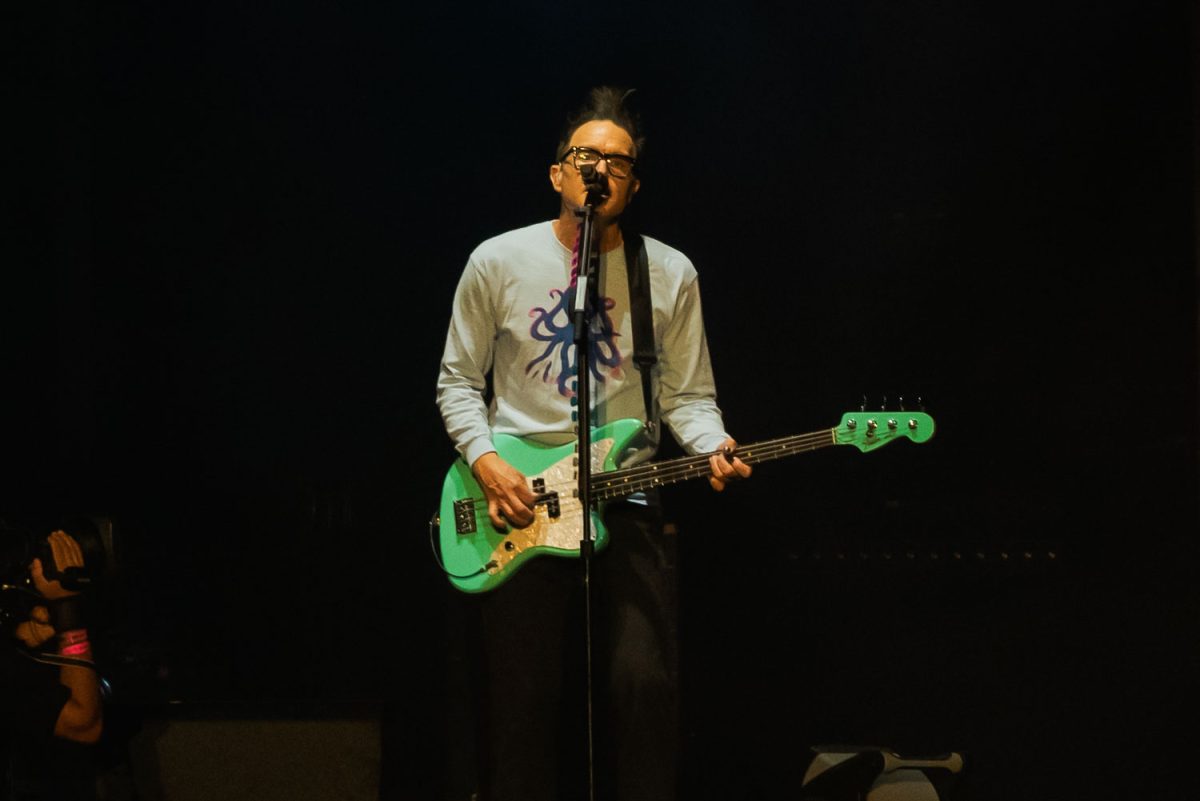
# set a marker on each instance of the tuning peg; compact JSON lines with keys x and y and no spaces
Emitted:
{"x":920,"y":403}
{"x":863,"y":407}
{"x":883,"y":406}
{"x":900,"y":400}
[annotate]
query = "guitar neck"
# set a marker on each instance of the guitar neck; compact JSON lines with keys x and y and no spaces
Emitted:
{"x":621,"y":483}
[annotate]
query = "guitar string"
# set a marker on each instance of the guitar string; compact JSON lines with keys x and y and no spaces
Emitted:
{"x":761,"y":451}
{"x":656,"y":473}
{"x":694,"y":466}
{"x":645,"y":476}
{"x":756,"y":452}
{"x":750,"y":454}
{"x":648,"y":476}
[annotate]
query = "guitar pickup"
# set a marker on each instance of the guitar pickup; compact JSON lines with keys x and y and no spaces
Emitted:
{"x":464,"y":516}
{"x":547,"y":499}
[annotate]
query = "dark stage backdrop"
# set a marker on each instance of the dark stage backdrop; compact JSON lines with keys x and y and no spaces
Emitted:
{"x":236,"y":230}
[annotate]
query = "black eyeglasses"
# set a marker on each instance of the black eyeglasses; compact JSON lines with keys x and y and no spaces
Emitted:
{"x":619,"y":166}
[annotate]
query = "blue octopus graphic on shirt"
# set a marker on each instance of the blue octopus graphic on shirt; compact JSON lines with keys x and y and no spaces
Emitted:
{"x":554,"y":326}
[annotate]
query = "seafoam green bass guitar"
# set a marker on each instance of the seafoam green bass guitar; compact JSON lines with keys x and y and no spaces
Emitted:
{"x":478,"y":558}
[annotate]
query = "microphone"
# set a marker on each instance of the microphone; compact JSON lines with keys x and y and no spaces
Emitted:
{"x":596,"y":184}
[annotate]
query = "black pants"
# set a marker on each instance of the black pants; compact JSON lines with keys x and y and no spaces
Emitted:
{"x":534,"y":733}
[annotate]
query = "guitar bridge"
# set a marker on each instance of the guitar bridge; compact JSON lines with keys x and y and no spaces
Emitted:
{"x":464,"y":516}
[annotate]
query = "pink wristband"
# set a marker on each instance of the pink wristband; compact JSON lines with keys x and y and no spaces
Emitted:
{"x":76,"y":649}
{"x":72,"y":637}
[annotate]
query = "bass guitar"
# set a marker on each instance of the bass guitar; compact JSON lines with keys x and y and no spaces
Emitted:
{"x":477,"y":558}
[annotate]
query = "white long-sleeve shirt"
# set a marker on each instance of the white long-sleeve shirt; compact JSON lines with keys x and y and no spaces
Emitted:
{"x":512,"y":318}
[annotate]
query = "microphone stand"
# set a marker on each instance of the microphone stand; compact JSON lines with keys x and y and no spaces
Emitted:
{"x":585,"y":277}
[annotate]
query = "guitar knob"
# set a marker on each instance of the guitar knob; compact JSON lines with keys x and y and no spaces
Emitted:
{"x":893,"y":425}
{"x":872,"y":425}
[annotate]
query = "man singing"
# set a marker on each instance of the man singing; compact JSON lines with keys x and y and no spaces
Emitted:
{"x":512,"y":317}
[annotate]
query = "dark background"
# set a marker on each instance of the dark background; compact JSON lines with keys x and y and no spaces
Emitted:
{"x":235,"y":231}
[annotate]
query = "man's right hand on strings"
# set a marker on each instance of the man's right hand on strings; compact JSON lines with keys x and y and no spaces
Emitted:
{"x":509,"y":498}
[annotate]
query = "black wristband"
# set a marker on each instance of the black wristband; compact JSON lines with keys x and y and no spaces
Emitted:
{"x":67,"y":614}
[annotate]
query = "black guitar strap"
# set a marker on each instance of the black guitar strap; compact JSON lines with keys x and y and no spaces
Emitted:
{"x":637,"y":267}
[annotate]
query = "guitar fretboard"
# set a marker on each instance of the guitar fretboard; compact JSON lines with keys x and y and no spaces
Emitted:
{"x":619,"y":483}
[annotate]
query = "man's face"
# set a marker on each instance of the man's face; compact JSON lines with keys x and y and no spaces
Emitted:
{"x":611,"y":139}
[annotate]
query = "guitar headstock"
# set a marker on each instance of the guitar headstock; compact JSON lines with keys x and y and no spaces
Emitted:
{"x":868,"y":430}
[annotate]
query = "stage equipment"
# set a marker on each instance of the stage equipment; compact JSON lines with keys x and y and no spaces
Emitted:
{"x":587,"y":260}
{"x":842,"y":773}
{"x":200,"y":752}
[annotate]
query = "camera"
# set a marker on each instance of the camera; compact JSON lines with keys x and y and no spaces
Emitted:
{"x":21,"y":543}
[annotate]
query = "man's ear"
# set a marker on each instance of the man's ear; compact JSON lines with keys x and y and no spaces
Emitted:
{"x":556,"y":177}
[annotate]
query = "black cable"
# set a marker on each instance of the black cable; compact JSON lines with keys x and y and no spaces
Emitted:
{"x":106,"y":690}
{"x":56,"y":659}
{"x":433,"y":526}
